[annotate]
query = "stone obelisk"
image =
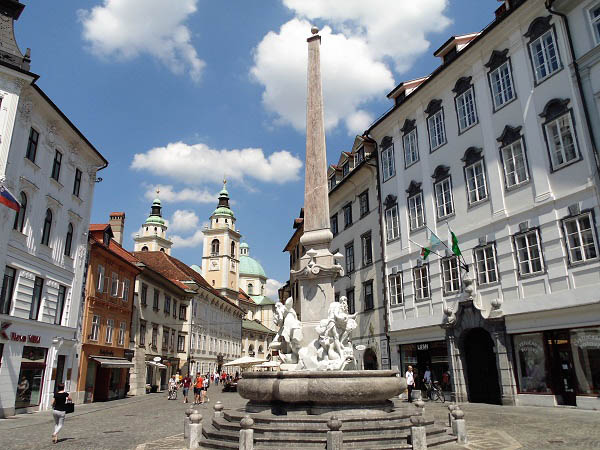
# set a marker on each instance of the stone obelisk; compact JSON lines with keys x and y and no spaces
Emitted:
{"x":318,"y":269}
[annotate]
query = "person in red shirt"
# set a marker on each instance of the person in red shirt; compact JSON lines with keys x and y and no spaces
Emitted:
{"x":186,"y":382}
{"x":198,"y":388}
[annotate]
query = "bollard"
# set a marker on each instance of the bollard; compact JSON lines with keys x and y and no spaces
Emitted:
{"x":459,"y":428}
{"x":334,"y":435}
{"x":420,"y":405}
{"x":195,"y":428}
{"x":218,"y":409}
{"x":418,"y":433}
{"x":246,"y":433}
{"x":186,"y":422}
{"x":450,"y":418}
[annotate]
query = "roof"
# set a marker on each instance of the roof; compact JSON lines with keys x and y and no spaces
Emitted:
{"x":244,"y":245}
{"x":244,"y":298}
{"x":96,"y":237}
{"x":223,"y":211}
{"x":250,"y":266}
{"x":256,"y":326}
{"x":262,"y":300}
{"x":197,"y":268}
{"x":98,"y":226}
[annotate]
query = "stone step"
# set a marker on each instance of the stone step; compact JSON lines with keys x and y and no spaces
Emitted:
{"x":213,"y":443}
{"x":403,"y":414}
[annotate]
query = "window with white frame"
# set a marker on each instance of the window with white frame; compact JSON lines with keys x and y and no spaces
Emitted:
{"x":529,"y":253}
{"x":515,"y":164}
{"x":581,"y":239}
{"x":465,"y":109}
{"x":451,"y":275}
{"x":392,"y":224}
{"x":501,"y":83}
{"x":415,"y":211}
{"x":126,"y":286}
{"x":181,"y":343}
{"x":114,"y":285}
{"x":421,"y":280}
{"x":95,"y":329}
{"x":411,"y":149}
{"x":332,"y":182}
{"x":561,"y":141}
{"x":485,"y":264}
{"x":396,"y":294}
{"x":544,"y":55}
{"x":359,"y":156}
{"x":388,"y":168}
{"x":437,"y":132}
{"x":443,"y":198}
{"x":100,"y":278}
{"x":367,"y":249}
{"x":121,"y":333}
{"x":363,"y":203}
{"x":476,"y":184}
{"x":595,"y":22}
{"x":349,"y":258}
{"x":110,"y":326}
{"x":347,"y":210}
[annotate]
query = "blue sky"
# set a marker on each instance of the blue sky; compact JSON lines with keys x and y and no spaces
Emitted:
{"x":178,"y":93}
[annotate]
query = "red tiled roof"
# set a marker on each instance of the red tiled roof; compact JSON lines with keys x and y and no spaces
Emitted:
{"x":98,"y":226}
{"x":115,"y":248}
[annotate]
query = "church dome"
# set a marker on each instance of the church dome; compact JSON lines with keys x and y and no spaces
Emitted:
{"x":155,"y":217}
{"x":196,"y":267}
{"x":223,"y":208}
{"x":248,"y":265}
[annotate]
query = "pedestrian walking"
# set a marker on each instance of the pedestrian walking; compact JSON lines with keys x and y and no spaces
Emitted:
{"x":186,"y":382}
{"x":205,"y":398}
{"x":410,"y":382}
{"x":59,"y":410}
{"x":198,"y":389}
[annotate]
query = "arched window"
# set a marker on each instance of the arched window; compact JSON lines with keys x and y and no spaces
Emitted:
{"x":47,"y":227}
{"x":262,"y":289}
{"x":69,"y":240}
{"x":260,"y":349}
{"x":233,"y":249}
{"x":144,"y":248}
{"x":215,"y":247}
{"x":250,"y":289}
{"x":162,"y":249}
{"x":20,"y":216}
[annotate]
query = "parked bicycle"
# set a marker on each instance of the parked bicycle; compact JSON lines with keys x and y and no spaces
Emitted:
{"x":434,"y":392}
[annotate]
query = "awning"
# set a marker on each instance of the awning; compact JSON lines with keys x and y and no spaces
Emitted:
{"x":113,"y":363}
{"x":159,"y":365}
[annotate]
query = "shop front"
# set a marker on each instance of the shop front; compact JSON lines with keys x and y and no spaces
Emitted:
{"x":424,"y":355}
{"x":104,"y":374}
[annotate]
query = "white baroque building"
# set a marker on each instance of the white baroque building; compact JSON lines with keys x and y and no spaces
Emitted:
{"x":495,"y":144}
{"x":50,"y":166}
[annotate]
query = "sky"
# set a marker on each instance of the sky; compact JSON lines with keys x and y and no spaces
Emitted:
{"x":178,"y":94}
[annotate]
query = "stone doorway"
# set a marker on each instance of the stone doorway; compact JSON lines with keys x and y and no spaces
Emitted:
{"x":369,"y":360}
{"x":482,"y":370}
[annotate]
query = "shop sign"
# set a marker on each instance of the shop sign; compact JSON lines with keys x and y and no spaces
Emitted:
{"x":32,"y":338}
{"x":107,"y":352}
{"x":588,"y":341}
{"x":530,"y":346}
{"x":422,"y":346}
{"x":3,"y":327}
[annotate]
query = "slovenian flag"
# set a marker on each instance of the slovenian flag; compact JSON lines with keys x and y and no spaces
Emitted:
{"x":6,"y":198}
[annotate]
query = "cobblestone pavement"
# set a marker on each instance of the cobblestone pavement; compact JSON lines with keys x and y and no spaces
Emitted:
{"x":152,"y":422}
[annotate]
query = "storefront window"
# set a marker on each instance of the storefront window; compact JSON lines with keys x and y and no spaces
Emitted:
{"x":29,"y":388}
{"x":531,"y":363}
{"x":427,"y":354}
{"x":585,"y":345}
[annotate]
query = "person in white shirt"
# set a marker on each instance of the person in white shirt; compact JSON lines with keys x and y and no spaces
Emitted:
{"x":427,"y":381}
{"x":410,"y":382}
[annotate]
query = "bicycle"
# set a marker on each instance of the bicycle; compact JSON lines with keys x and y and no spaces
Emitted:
{"x":434,"y":392}
{"x":172,"y":393}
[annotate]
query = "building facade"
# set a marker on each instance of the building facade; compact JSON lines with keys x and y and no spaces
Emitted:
{"x":494,"y":146}
{"x":50,"y":167}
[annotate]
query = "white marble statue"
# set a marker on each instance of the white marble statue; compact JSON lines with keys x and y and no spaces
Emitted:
{"x":288,"y":337}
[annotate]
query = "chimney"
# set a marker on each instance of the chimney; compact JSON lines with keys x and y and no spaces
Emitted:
{"x":117,"y":223}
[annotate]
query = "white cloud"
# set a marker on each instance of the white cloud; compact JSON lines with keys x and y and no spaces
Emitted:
{"x":351,"y":76}
{"x":198,"y":163}
{"x":183,"y":220}
{"x":358,"y":121}
{"x":192,"y":241}
{"x":272,"y":287}
{"x":129,"y":28}
{"x":169,"y":194}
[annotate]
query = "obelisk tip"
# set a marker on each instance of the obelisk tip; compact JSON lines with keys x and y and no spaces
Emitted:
{"x":314,"y":30}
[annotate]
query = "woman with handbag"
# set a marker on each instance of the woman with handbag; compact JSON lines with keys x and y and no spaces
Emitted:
{"x":59,"y":409}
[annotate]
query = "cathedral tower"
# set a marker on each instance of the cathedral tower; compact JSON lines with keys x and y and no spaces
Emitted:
{"x":153,"y":235}
{"x":220,"y":258}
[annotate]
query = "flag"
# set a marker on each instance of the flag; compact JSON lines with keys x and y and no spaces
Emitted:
{"x":6,"y":198}
{"x":425,"y":253}
{"x":453,"y":242}
{"x":434,"y":241}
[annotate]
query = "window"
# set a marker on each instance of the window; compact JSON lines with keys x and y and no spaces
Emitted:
{"x":122,"y":333}
{"x":110,"y":326}
{"x":32,"y":145}
{"x":359,"y":156}
{"x":100,"y":278}
{"x":501,"y":84}
{"x":56,"y":165}
{"x":544,"y":56}
{"x":77,"y":183}
{"x":396,"y":294}
{"x":347,"y":215}
{"x":421,"y":277}
{"x":363,"y":203}
{"x":595,"y":22}
{"x":346,"y":168}
{"x":69,"y":240}
{"x":174,"y":309}
{"x":36,"y":298}
{"x":476,"y":185}
{"x":155,"y":300}
{"x":181,"y":343}
{"x":485,"y":264}
{"x":581,"y":239}
{"x":515,"y":164}
{"x":154,"y":336}
{"x":465,"y":109}
{"x":349,"y":258}
{"x":20,"y":216}
{"x":350,"y":300}
{"x":443,"y":198}
{"x":392,"y":225}
{"x":250,"y":289}
{"x":8,"y":286}
{"x":336,"y":297}
{"x":367,"y":249}
{"x":167,"y":307}
{"x":144,"y":295}
{"x":333,"y":220}
{"x":451,"y":275}
{"x":126,"y":286}
{"x":529,"y":253}
{"x":172,"y":343}
{"x":561,"y":141}
{"x":415,"y":211}
{"x":182,"y":312}
{"x":95,"y":328}
{"x":411,"y":149}
{"x":203,"y":343}
{"x":142,"y":333}
{"x":114,"y":285}
{"x":60,"y":304}
{"x":165,"y":337}
{"x":368,"y":292}
{"x":214,"y":247}
{"x":233,"y":249}
{"x":437,"y":132}
{"x":47,"y":227}
{"x":332,"y":182}
{"x":388,"y":168}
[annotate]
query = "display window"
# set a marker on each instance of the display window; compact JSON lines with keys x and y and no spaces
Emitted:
{"x":585,"y":345}
{"x":31,"y":376}
{"x":432,"y":355}
{"x":531,"y":363}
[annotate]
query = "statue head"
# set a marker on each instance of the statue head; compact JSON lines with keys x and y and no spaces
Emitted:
{"x":344,"y":304}
{"x":289,"y":303}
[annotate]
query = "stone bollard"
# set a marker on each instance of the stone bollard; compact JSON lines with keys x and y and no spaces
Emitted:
{"x":246,"y":433}
{"x":459,"y":428}
{"x":186,"y":422}
{"x":195,"y":430}
{"x":420,"y":405}
{"x":418,"y":433}
{"x":450,"y":418}
{"x":334,"y":435}
{"x":218,"y":409}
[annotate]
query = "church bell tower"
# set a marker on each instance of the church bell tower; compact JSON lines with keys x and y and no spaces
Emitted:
{"x":153,"y":235}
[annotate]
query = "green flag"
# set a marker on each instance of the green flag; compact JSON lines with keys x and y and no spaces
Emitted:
{"x":425,"y":253}
{"x":454,"y":244}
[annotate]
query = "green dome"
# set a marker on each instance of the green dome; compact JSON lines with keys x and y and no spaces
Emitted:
{"x":221,"y":210}
{"x":155,"y":220}
{"x":250,"y":266}
{"x":196,"y":267}
{"x":244,"y":245}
